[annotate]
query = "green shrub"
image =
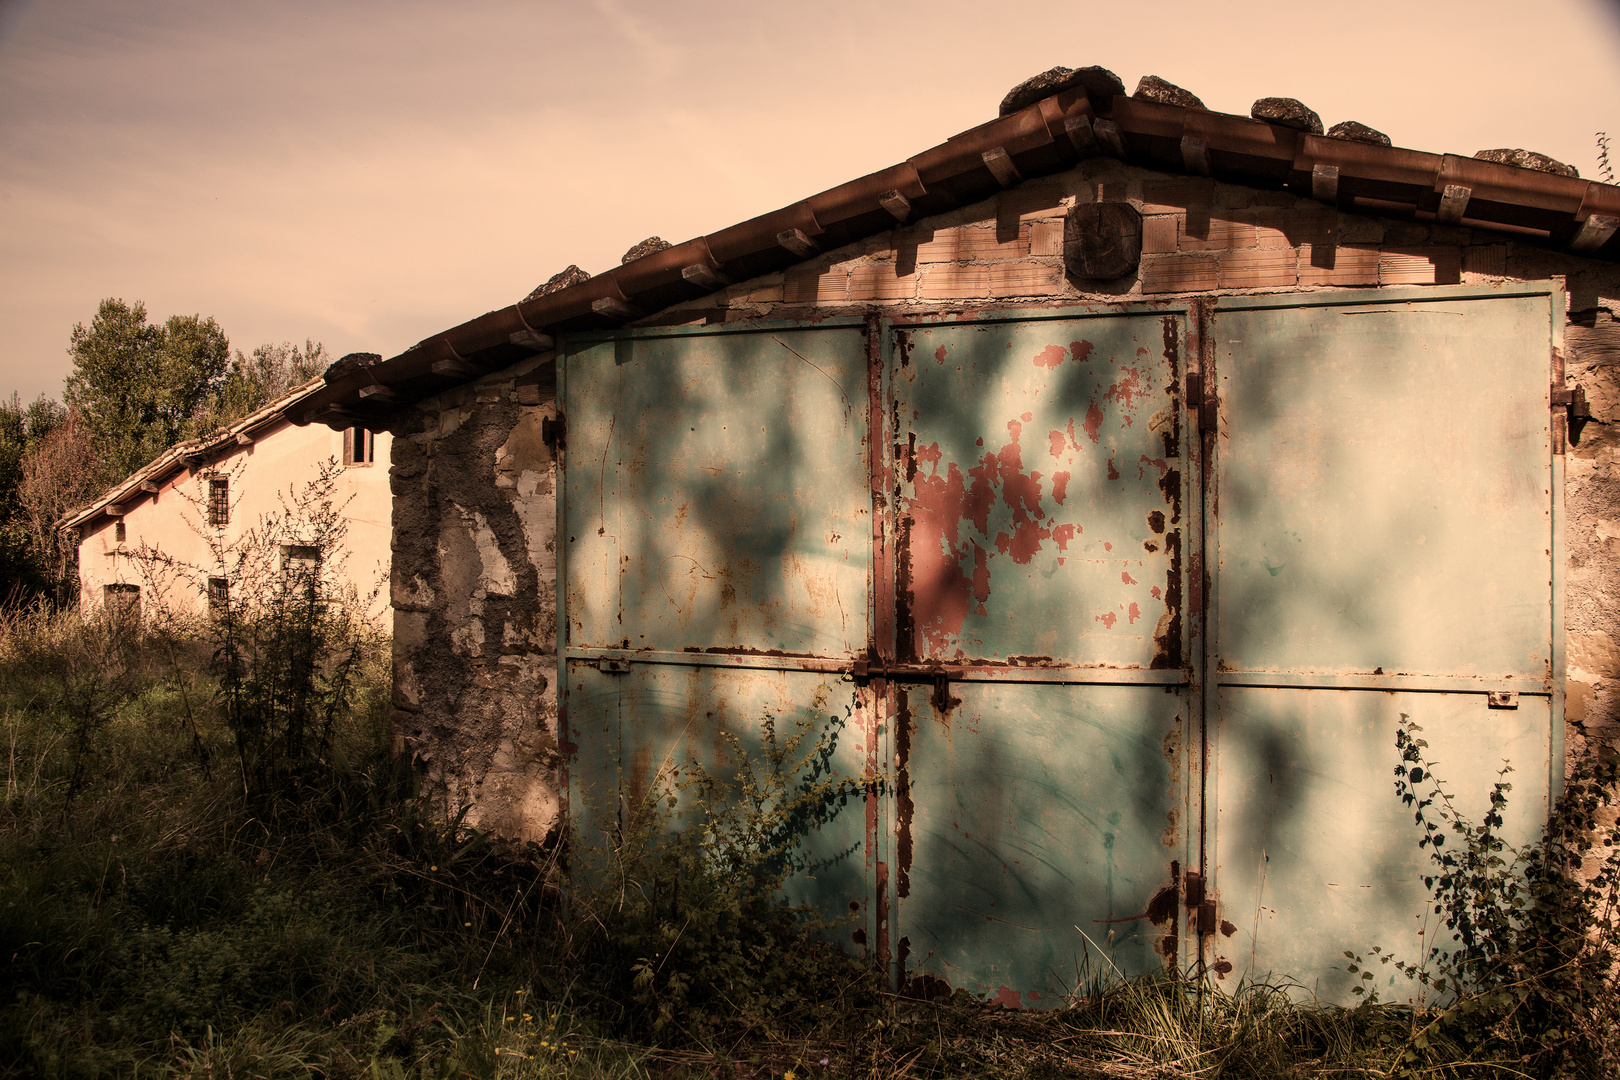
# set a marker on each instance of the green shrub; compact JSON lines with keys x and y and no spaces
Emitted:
{"x":1531,"y":974}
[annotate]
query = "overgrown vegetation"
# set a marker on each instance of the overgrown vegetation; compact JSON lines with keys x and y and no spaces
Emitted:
{"x":1529,"y":979}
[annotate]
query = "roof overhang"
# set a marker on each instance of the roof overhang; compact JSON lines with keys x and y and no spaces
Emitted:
{"x":1055,"y":133}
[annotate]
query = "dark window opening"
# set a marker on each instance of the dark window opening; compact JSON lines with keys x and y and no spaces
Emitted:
{"x":219,"y":501}
{"x":301,"y":566}
{"x":219,"y":595}
{"x":122,"y":599}
{"x":359,"y":446}
{"x":118,"y":531}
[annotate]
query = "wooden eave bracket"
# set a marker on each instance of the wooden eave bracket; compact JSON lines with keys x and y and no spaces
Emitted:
{"x":149,"y":487}
{"x":613,"y":308}
{"x":1453,"y":201}
{"x":1109,"y":138}
{"x":798,"y":242}
{"x":376,"y":392}
{"x":1325,"y":183}
{"x":1195,"y":155}
{"x":898,"y":206}
{"x":1593,"y":233}
{"x":243,"y":439}
{"x":705,"y":277}
{"x":455,"y":367}
{"x":1002,"y":166}
{"x":527,"y":338}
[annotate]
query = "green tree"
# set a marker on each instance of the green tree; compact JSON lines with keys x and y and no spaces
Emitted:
{"x":142,"y":388}
{"x":271,"y":371}
{"x":22,"y":429}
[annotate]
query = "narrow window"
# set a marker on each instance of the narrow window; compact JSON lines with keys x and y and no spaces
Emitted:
{"x":359,"y":446}
{"x":122,"y":599}
{"x":219,"y":595}
{"x":219,"y":501}
{"x":118,"y":531}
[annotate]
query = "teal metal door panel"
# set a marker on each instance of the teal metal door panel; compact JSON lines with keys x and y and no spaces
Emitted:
{"x":718,"y":493}
{"x":1042,"y":838}
{"x":1384,"y":488}
{"x":1316,"y":853}
{"x":1041,"y":492}
{"x":717,"y":547}
{"x":1042,"y":794}
{"x":635,"y":731}
{"x":1383,"y":526}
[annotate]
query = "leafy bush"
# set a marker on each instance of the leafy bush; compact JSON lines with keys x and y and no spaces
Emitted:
{"x":1531,"y":975}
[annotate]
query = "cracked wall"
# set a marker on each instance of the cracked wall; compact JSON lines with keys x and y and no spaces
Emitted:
{"x":474,"y":595}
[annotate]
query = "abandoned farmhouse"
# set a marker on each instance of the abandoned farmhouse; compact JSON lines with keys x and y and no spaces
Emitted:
{"x":1115,"y":475}
{"x":206,"y":494}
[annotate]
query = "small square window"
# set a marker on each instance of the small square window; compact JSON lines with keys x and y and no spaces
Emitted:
{"x":118,"y":531}
{"x":219,"y":501}
{"x":359,"y":446}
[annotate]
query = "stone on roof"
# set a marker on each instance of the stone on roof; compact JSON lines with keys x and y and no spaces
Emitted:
{"x":1153,"y":88}
{"x":350,"y":362}
{"x":646,"y":247}
{"x":1358,"y":132}
{"x":1288,"y":112}
{"x":572,"y":275}
{"x":1098,"y":82}
{"x":1528,"y":159}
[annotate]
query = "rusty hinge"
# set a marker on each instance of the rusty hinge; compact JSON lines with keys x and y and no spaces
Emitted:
{"x":1573,"y":399}
{"x":554,"y":431}
{"x":1200,"y":401}
{"x":1200,"y":907}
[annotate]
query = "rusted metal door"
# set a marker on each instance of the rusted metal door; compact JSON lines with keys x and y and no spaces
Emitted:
{"x":1040,"y":682}
{"x":968,"y":536}
{"x":716,"y":532}
{"x":1383,"y":530}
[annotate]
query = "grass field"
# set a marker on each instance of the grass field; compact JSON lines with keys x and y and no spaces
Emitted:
{"x":159,"y":918}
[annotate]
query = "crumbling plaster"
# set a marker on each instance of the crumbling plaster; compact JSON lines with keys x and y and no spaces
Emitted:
{"x":474,"y":594}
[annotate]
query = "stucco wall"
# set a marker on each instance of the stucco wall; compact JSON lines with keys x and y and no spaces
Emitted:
{"x":474,"y":595}
{"x":475,"y":689}
{"x":173,"y":519}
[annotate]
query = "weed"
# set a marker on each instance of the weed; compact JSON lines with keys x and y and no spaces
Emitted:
{"x":1529,"y":977}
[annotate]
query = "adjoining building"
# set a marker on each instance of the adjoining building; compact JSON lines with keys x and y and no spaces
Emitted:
{"x":1128,"y":470}
{"x":205,"y":494}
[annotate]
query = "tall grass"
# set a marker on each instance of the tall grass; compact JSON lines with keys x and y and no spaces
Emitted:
{"x":157,"y":919}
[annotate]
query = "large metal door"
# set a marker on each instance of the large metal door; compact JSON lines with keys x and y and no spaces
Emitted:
{"x":968,"y":533}
{"x":1383,"y":537}
{"x":717,"y":560}
{"x":988,"y":540}
{"x":1041,"y":685}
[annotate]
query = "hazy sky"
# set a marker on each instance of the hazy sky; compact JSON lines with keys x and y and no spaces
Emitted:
{"x":369,"y":173}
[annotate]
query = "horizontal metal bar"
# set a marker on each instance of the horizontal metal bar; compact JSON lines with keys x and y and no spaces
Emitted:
{"x":756,"y":326}
{"x":1385,"y":296}
{"x":1449,"y":684}
{"x":913,"y":673}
